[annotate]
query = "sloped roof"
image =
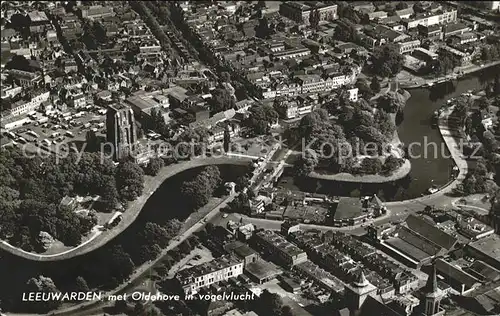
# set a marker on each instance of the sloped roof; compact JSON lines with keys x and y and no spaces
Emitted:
{"x":489,"y":299}
{"x":452,"y":27}
{"x":431,"y":232}
{"x":404,"y":12}
{"x":376,"y":200}
{"x":484,"y":270}
{"x":372,"y":307}
{"x":456,"y":274}
{"x":361,"y":279}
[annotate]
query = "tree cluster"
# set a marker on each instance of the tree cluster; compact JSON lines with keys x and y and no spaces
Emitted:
{"x":493,"y":89}
{"x":31,"y":189}
{"x":21,"y":23}
{"x":260,"y":119}
{"x":129,"y":180}
{"x":199,"y":190}
{"x":154,"y":238}
{"x":198,"y":136}
{"x":391,"y":164}
{"x":346,"y":31}
{"x":445,"y":64}
{"x":360,"y":125}
{"x":314,"y":18}
{"x":241,"y":203}
{"x":391,"y":102}
{"x":154,"y":166}
{"x":370,"y":165}
{"x":490,"y":52}
{"x":42,"y":284}
{"x":221,"y":100}
{"x":355,"y":127}
{"x":475,"y":180}
{"x":346,"y":11}
{"x":271,"y":304}
{"x":365,"y":89}
{"x":306,"y":163}
{"x":263,"y":30}
{"x":94,"y":34}
{"x":18,"y":62}
{"x":375,"y":84}
{"x":387,"y":61}
{"x":155,"y":27}
{"x":324,"y":138}
{"x":158,"y":124}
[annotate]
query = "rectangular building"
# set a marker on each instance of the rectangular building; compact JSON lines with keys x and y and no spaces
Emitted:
{"x":486,"y":249}
{"x":408,"y":46}
{"x":425,"y":55}
{"x":206,"y":274}
{"x":433,"y":32}
{"x":458,"y":279}
{"x":282,"y":250}
{"x":428,"y":19}
{"x":22,"y":107}
{"x":299,"y":11}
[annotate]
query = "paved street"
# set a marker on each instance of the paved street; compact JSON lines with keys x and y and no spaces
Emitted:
{"x":143,"y":270}
{"x":151,"y":184}
{"x":398,"y":210}
{"x":173,"y":88}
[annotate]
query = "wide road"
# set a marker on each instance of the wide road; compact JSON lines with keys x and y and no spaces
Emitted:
{"x":151,"y":184}
{"x":397,"y":210}
{"x":144,"y":270}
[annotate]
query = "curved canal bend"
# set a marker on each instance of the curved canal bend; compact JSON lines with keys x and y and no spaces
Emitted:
{"x":414,"y":127}
{"x":15,"y":271}
{"x":164,"y":204}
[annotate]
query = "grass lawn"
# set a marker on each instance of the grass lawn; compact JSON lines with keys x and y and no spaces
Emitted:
{"x":189,"y":261}
{"x":200,"y":213}
{"x":257,"y":146}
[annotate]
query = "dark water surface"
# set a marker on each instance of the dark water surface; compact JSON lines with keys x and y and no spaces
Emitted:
{"x":415,"y":127}
{"x":164,"y":204}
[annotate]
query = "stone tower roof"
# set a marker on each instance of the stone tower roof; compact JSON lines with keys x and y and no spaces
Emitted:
{"x":361,"y":280}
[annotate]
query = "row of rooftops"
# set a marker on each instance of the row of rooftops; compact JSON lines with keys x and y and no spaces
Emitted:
{"x":350,"y":268}
{"x":315,"y":240}
{"x":275,"y":47}
{"x":185,"y":276}
{"x":353,"y":245}
{"x":305,"y":6}
{"x":279,"y":242}
{"x":320,"y":275}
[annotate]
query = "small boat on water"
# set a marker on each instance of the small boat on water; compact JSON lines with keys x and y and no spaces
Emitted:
{"x":435,"y":118}
{"x":432,"y":190}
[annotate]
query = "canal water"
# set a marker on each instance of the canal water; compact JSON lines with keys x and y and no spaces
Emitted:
{"x":428,"y":169}
{"x":166,"y":203}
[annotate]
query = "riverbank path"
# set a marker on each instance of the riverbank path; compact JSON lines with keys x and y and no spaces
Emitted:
{"x":151,"y":184}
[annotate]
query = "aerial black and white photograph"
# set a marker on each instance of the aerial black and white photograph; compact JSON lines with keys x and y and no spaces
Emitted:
{"x":250,"y":158}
